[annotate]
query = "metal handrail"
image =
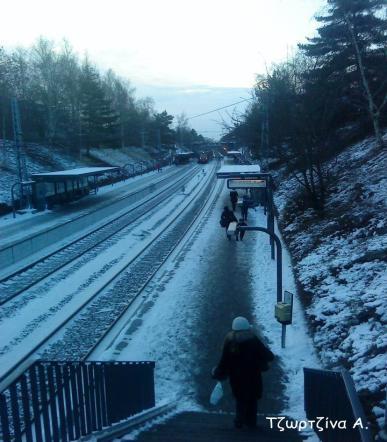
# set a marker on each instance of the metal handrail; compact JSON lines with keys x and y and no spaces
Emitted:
{"x":356,"y":406}
{"x":331,"y":396}
{"x":55,"y":400}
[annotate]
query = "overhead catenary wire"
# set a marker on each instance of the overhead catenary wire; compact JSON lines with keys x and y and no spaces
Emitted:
{"x":219,"y":108}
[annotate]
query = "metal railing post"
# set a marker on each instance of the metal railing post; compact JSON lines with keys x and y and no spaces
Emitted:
{"x":61,"y":401}
{"x":5,"y":430}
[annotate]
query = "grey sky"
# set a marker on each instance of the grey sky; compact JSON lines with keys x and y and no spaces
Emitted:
{"x":177,"y":43}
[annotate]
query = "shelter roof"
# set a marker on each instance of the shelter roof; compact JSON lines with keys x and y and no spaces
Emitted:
{"x":72,"y":173}
{"x":237,"y":170}
{"x":183,"y":153}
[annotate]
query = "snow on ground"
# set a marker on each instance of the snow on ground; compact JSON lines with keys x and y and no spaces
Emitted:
{"x":164,"y":333}
{"x":165,"y":329}
{"x":117,"y":189}
{"x":40,"y":158}
{"x":120,"y":157}
{"x":299,"y":351}
{"x":340,"y":263}
{"x":25,"y":321}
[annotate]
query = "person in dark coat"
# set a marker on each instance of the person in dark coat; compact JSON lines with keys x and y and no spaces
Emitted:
{"x":246,"y":203}
{"x":234,"y":198}
{"x":227,"y":217}
{"x":243,"y":359}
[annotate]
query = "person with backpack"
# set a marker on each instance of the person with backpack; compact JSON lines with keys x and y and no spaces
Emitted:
{"x":243,"y":359}
{"x":226,"y":218}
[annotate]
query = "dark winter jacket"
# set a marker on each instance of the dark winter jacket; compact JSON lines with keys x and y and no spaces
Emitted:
{"x":227,"y":217}
{"x":234,"y":196}
{"x":243,"y":359}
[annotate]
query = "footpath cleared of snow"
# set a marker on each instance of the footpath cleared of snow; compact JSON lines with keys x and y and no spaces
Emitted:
{"x":166,"y":328}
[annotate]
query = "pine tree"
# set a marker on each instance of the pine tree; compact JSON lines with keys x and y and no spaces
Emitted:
{"x":98,"y":119}
{"x":351,"y":49}
{"x":162,"y":122}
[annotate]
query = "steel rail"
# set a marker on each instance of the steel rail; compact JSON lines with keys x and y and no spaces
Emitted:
{"x":41,"y":277}
{"x":183,"y":237}
{"x":114,"y":201}
{"x":62,"y":324}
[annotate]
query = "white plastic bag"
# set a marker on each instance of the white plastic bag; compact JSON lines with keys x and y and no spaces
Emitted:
{"x":217,"y":394}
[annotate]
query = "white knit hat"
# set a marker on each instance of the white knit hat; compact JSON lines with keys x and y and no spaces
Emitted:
{"x":240,"y":323}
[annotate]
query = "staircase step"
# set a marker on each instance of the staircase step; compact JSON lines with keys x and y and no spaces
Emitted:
{"x":212,"y":427}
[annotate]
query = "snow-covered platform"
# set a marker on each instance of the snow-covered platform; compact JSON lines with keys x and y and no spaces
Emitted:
{"x":32,"y":232}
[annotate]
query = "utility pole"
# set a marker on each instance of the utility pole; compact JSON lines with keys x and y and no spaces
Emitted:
{"x":4,"y":155}
{"x":20,"y":155}
{"x":80,"y":134}
{"x":122,"y":133}
{"x":265,"y":133}
{"x":17,"y":133}
{"x":159,"y":139}
{"x":142,"y":133}
{"x":181,"y":137}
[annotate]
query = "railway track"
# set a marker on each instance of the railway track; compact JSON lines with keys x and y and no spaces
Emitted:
{"x":22,"y":280}
{"x":188,"y":238}
{"x":96,"y":316}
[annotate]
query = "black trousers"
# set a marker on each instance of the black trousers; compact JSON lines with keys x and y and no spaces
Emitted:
{"x":244,"y":211}
{"x":246,"y":411}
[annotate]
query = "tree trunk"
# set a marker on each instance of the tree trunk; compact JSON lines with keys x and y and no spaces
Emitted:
{"x":372,"y":108}
{"x":122,"y":135}
{"x":378,"y":132}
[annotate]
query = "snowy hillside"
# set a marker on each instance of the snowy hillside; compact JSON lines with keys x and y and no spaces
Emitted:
{"x":41,"y":158}
{"x":340,"y":264}
{"x":120,"y":157}
{"x":38,"y":159}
